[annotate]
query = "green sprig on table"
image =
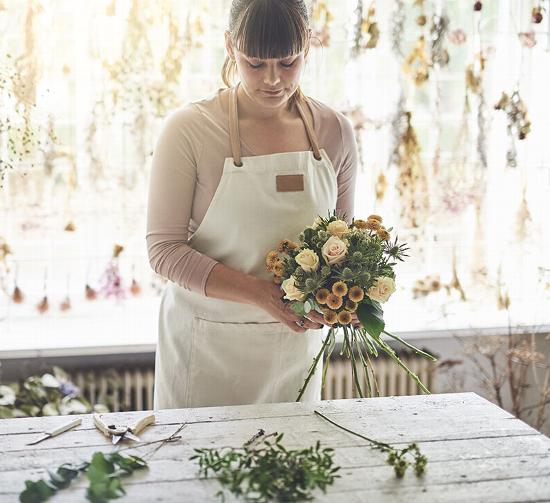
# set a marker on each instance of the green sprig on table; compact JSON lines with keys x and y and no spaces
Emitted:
{"x":263,"y":470}
{"x":104,"y":472}
{"x":396,"y":457}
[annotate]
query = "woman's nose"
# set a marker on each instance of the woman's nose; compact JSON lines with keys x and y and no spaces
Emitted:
{"x":271,"y":76}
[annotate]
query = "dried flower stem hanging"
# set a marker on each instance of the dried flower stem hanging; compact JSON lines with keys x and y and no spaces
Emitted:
{"x":44,"y":304}
{"x":18,"y":83}
{"x":366,"y":32}
{"x":518,"y":122}
{"x":111,"y":279}
{"x":397,"y":28}
{"x":455,"y":283}
{"x":321,"y":19}
{"x":523,"y":218}
{"x":412,"y":183}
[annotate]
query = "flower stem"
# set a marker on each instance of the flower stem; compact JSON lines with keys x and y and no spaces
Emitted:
{"x":314,"y":365}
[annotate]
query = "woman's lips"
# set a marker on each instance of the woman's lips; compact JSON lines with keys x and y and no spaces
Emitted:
{"x":273,"y":93}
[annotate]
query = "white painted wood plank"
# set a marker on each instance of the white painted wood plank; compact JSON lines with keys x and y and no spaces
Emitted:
{"x":439,"y":422}
{"x":349,"y":451}
{"x":463,"y":404}
{"x":168,"y":477}
{"x":384,"y":429}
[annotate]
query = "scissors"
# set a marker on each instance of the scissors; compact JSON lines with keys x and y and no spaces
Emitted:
{"x":118,"y":432}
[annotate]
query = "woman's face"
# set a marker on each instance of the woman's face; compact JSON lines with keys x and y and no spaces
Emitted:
{"x":268,"y":82}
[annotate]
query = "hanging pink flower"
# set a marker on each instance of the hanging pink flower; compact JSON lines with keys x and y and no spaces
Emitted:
{"x":457,"y":37}
{"x":112,"y":282}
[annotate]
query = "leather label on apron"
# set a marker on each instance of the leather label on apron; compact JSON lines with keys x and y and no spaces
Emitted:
{"x":290,"y":183}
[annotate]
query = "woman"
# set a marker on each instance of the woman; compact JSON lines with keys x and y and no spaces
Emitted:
{"x":233,"y":174}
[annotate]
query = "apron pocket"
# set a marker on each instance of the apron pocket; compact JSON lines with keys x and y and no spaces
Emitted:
{"x":234,"y":363}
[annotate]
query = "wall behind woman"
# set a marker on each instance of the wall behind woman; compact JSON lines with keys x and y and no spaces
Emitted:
{"x":103,"y":79}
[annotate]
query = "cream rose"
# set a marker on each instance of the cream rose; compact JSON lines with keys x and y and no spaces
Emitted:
{"x":338,"y":228}
{"x":382,"y":289}
{"x":292,"y":293}
{"x":307,"y":260}
{"x":334,"y":250}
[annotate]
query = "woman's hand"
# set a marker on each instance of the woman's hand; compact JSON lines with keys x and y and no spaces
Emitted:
{"x":318,"y":318}
{"x":270,"y":299}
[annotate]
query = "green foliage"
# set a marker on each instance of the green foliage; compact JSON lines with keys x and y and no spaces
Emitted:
{"x":400,"y":462}
{"x":396,"y":457}
{"x":264,"y":470}
{"x":51,"y":394}
{"x":104,"y":473}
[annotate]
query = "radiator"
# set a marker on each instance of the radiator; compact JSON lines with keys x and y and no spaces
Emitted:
{"x":132,"y":388}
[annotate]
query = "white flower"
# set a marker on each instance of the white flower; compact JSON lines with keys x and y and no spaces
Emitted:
{"x":382,"y":289}
{"x":292,"y":293}
{"x":334,"y":250}
{"x":338,"y":228}
{"x":308,"y":260}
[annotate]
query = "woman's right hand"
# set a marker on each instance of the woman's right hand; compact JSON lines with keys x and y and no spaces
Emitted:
{"x":270,"y":299}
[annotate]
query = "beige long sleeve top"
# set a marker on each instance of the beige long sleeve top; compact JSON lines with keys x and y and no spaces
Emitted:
{"x":187,"y":167}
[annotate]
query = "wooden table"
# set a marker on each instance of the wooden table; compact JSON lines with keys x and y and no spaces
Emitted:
{"x":476,"y":451}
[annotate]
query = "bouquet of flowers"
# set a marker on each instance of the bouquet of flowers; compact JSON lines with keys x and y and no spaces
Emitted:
{"x":344,"y":272}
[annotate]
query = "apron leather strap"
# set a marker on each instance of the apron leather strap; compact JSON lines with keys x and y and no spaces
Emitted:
{"x":236,"y":139}
{"x":234,"y":128}
{"x":310,"y":132}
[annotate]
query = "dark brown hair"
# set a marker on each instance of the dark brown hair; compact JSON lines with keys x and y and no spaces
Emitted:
{"x":267,"y":29}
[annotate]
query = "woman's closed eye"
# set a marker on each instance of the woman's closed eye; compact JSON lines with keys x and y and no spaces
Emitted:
{"x":284,"y":65}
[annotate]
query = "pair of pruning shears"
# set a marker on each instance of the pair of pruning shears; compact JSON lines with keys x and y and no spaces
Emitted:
{"x":118,"y":432}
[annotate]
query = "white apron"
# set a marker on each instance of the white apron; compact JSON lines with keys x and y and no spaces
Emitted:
{"x":214,"y":352}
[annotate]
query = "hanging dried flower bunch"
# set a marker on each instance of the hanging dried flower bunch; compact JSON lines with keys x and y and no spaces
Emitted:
{"x":18,"y":83}
{"x":136,"y":90}
{"x":474,"y":83}
{"x":518,"y":122}
{"x":503,"y":298}
{"x":438,"y":31}
{"x":17,"y":296}
{"x":417,"y":63}
{"x":89,"y":292}
{"x":111,"y":279}
{"x":423,"y":287}
{"x":455,"y":283}
{"x":44,"y":305}
{"x":397,"y":27}
{"x":536,"y":13}
{"x":321,"y":18}
{"x":96,"y":167}
{"x":458,"y":187}
{"x":523,"y":218}
{"x":412,"y":183}
{"x":366,"y":29}
{"x":527,"y":39}
{"x":457,"y":37}
{"x":380,"y":187}
{"x":5,"y":250}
